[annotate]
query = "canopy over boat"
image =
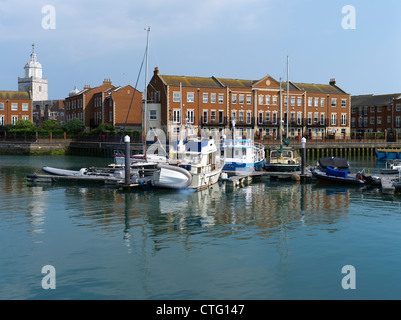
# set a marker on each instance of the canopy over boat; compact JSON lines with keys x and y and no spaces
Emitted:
{"x":333,"y":162}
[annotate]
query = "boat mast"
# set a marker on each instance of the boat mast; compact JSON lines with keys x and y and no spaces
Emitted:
{"x":288,"y":89}
{"x":145,"y":93}
{"x":280,"y":126}
{"x":181,"y":112}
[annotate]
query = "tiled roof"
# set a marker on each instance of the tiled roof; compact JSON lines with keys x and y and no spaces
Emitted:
{"x":236,"y":83}
{"x":190,"y":81}
{"x":14,"y":95}
{"x":374,"y":100}
{"x":319,"y":88}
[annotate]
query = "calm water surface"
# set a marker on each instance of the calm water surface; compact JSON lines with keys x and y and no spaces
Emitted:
{"x":268,"y":240}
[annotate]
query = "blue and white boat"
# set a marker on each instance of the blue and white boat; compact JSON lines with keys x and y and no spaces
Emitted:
{"x":242,"y":155}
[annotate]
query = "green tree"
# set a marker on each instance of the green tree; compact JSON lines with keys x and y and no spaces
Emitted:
{"x":74,"y":126}
{"x":51,"y":125}
{"x":24,"y":125}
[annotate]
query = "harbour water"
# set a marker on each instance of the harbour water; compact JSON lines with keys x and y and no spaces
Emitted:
{"x":267,"y":240}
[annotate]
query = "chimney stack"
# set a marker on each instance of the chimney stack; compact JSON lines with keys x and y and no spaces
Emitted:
{"x":332,"y":82}
{"x":156,"y":72}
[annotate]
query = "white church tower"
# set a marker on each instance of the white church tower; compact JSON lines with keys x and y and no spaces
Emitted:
{"x":33,"y":82}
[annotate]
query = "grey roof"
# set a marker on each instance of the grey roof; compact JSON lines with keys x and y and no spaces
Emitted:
{"x":374,"y":100}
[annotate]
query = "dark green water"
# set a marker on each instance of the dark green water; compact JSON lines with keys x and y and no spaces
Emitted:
{"x":268,"y":240}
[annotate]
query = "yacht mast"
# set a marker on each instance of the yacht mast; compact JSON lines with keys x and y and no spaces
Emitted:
{"x":288,"y":89}
{"x":145,"y":93}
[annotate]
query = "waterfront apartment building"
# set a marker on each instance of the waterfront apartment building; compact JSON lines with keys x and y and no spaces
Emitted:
{"x":81,"y":105}
{"x":253,"y":106}
{"x":15,"y":106}
{"x":119,"y":106}
{"x":376,"y":113}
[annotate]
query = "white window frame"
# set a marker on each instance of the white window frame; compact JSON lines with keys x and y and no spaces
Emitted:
{"x":14,"y":106}
{"x":190,"y":97}
{"x":176,"y":96}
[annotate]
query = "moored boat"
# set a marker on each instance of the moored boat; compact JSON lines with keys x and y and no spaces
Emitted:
{"x":387,"y":154}
{"x":285,"y":159}
{"x":242,"y":155}
{"x":337,"y":176}
{"x":200,"y":157}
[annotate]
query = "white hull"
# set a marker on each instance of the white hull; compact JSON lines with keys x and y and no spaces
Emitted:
{"x":171,"y":177}
{"x":204,"y":180}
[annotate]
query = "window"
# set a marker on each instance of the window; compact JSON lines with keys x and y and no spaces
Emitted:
{"x":292,"y":101}
{"x":274,"y":121}
{"x":310,"y":102}
{"x":379,"y":109}
{"x":248,"y":99}
{"x":176,"y":116}
{"x":14,"y":119}
{"x":292,"y":117}
{"x":1,"y":106}
{"x":343,"y":103}
{"x":176,"y":96}
{"x":260,"y":99}
{"x":221,"y":116}
{"x":24,"y":107}
{"x":309,"y":118}
{"x":316,"y":117}
{"x":248,"y":117}
{"x":379,"y":120}
{"x":343,"y":119}
{"x":213,"y":98}
{"x":275,"y":100}
{"x":2,"y":120}
{"x":25,"y":118}
{"x":299,"y":118}
{"x":213,"y":115}
{"x":299,"y":102}
{"x":190,"y":97}
{"x":221,"y":98}
{"x":234,"y":115}
{"x":334,"y":103}
{"x":372,"y":120}
{"x":397,"y":107}
{"x":322,"y":102}
{"x":241,"y":116}
{"x":397,"y":121}
{"x":205,"y":98}
{"x":388,"y":119}
{"x":110,"y":116}
{"x":267,"y":99}
{"x":316,"y":102}
{"x":205,"y":116}
{"x":260,"y":117}
{"x":14,"y":107}
{"x":234,"y":99}
{"x":334,"y":119}
{"x":241,"y":99}
{"x":267,"y":116}
{"x":152,"y":115}
{"x":190,"y":116}
{"x":322,"y":122}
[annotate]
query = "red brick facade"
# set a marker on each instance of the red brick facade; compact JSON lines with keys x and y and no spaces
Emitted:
{"x":14,"y":106}
{"x":213,"y":103}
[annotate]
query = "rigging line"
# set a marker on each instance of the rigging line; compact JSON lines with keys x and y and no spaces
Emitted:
{"x":132,"y":99}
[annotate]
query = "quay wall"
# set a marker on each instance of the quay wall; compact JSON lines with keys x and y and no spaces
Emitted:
{"x":106,"y":149}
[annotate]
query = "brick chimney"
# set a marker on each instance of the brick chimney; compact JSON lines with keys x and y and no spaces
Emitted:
{"x":107,"y":81}
{"x":156,"y":72}
{"x":332,"y":82}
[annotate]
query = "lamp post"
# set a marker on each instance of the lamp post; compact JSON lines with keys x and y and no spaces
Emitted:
{"x":6,"y":113}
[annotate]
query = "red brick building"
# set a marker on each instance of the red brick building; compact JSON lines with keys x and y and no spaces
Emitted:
{"x":376,"y":113}
{"x":213,"y":103}
{"x":15,"y":106}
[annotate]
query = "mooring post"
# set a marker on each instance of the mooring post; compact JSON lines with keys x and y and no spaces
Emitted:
{"x":303,"y":155}
{"x":127,"y":141}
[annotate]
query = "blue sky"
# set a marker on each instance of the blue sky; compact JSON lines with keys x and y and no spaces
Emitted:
{"x":245,"y":39}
